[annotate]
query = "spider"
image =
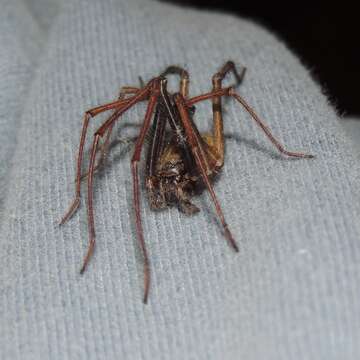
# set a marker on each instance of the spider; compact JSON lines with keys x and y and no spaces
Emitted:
{"x":180,"y":160}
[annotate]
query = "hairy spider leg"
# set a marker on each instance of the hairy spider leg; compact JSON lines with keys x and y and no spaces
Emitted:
{"x":218,"y":128}
{"x":198,"y":152}
{"x":229,"y":91}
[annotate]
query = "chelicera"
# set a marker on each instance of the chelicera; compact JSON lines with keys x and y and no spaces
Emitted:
{"x":180,"y":160}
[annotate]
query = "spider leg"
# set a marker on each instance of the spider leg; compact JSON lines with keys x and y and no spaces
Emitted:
{"x":92,"y":167}
{"x":105,"y":146}
{"x":90,"y":210}
{"x":155,"y":150}
{"x":103,"y":152}
{"x":88,"y":114}
{"x":210,"y":95}
{"x":172,"y":117}
{"x":229,"y":91}
{"x":119,"y":105}
{"x":198,"y":153}
{"x":229,"y":66}
{"x":218,"y":128}
{"x":156,"y":145}
{"x":149,"y":89}
{"x":266,"y":129}
{"x":135,"y":176}
{"x":141,"y":95}
{"x":184,"y":78}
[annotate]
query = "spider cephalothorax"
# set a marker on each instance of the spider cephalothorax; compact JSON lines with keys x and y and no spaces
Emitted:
{"x":180,"y":160}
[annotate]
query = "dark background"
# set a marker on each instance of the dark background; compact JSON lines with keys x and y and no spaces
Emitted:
{"x":325,"y":35}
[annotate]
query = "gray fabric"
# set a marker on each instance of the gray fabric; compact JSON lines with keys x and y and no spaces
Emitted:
{"x":352,"y":128}
{"x":18,"y":56}
{"x":293,"y":290}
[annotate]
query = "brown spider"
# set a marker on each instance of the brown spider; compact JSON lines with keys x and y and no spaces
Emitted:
{"x":180,"y":159}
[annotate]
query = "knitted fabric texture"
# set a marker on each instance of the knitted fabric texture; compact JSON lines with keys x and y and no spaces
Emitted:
{"x":291,"y":293}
